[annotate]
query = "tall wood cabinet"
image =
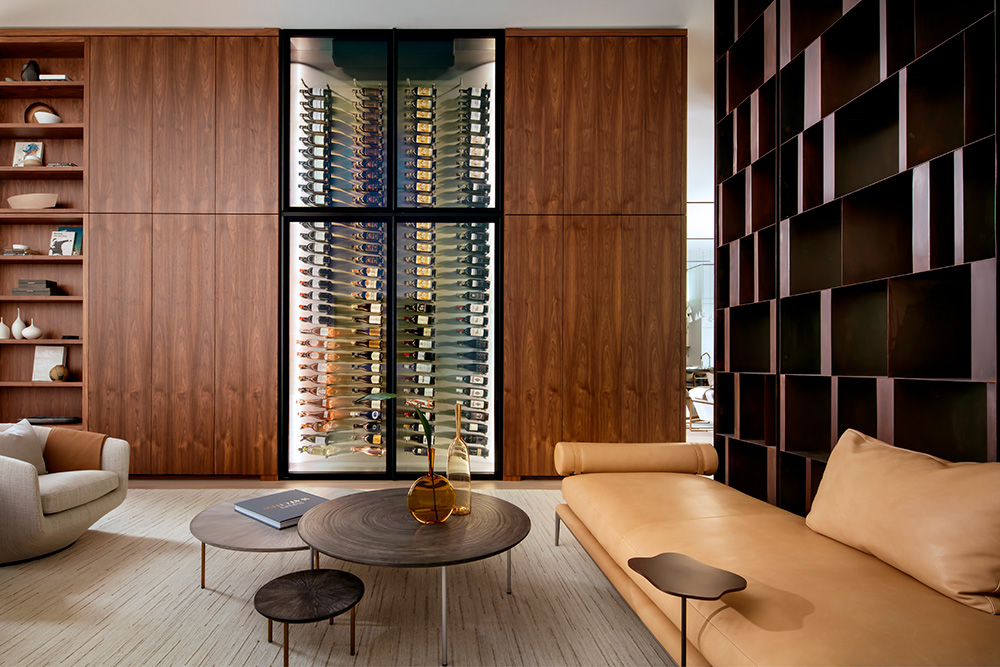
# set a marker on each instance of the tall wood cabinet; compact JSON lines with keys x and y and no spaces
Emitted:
{"x":594,"y":240}
{"x":189,"y":181}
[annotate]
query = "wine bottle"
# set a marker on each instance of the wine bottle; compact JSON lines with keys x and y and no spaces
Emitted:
{"x":474,"y":427}
{"x":420,"y":356}
{"x":474,"y":151}
{"x":475,"y":355}
{"x":476,"y":187}
{"x":419,"y":391}
{"x":427,"y":332}
{"x":477,"y":343}
{"x":369,"y":248}
{"x":418,"y":367}
{"x":475,"y":320}
{"x":318,"y":283}
{"x":409,"y":414}
{"x":370,"y":319}
{"x":422,"y":320}
{"x":459,"y":469}
{"x":325,"y":367}
{"x":368,"y":379}
{"x":417,"y":379}
{"x":474,"y":392}
{"x":369,"y":331}
{"x":420,"y":200}
{"x":421,"y":103}
{"x":475,"y":296}
{"x":420,"y":236}
{"x":475,"y":368}
{"x":471,"y":379}
{"x":421,"y":283}
{"x":420,"y":307}
{"x":476,"y":439}
{"x":315,"y":307}
{"x":368,"y":296}
{"x":373,"y":343}
{"x":474,"y":128}
{"x":476,"y":260}
{"x":475,"y":450}
{"x":474,"y":403}
{"x":420,"y":114}
{"x":476,"y":140}
{"x":473,"y":271}
{"x":420,"y":296}
{"x":326,"y":332}
{"x":478,"y":308}
{"x":421,"y":127}
{"x":476,"y":415}
{"x":368,"y":93}
{"x":318,"y":379}
{"x":474,"y":283}
{"x":423,"y":271}
{"x":323,"y":356}
{"x":421,"y":91}
{"x":422,"y":247}
{"x":319,"y":402}
{"x":372,"y":356}
{"x":332,"y":390}
{"x":318,"y":319}
{"x":370,"y":272}
{"x":475,"y":332}
{"x":419,"y":259}
{"x":368,"y":284}
{"x":474,"y":163}
{"x":371,"y":439}
{"x":371,"y":427}
{"x":474,"y":200}
{"x":317,"y":295}
{"x":374,"y":308}
{"x":479,"y":248}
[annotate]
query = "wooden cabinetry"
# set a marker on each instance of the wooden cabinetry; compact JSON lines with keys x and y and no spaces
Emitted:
{"x":64,"y":142}
{"x":860,"y":247}
{"x":594,"y":240}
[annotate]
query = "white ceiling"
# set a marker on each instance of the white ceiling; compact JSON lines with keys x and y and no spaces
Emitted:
{"x":695,"y":15}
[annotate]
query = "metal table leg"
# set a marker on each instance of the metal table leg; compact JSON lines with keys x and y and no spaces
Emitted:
{"x":508,"y":570}
{"x":557,"y":528}
{"x":444,"y":616}
{"x":684,"y":634}
{"x":202,"y":564}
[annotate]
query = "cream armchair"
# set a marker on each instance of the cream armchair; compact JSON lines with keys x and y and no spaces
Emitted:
{"x":41,"y":514}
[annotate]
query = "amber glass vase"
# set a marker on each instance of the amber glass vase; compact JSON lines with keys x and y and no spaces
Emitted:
{"x":432,"y":497}
{"x":459,"y":468}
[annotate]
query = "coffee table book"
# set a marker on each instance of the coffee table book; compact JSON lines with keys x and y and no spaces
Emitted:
{"x":279,"y":510}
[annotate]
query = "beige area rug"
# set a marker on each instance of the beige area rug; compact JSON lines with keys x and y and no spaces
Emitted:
{"x":127,"y":593}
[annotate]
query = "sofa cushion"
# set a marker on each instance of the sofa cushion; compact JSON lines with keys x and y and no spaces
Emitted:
{"x":937,"y":521}
{"x":19,"y":441}
{"x":61,"y":491}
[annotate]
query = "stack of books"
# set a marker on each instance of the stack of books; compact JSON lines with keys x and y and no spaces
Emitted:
{"x":279,"y":510}
{"x":37,"y":288}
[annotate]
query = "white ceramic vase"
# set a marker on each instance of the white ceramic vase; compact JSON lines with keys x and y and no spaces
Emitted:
{"x":31,"y":332}
{"x":4,"y":330}
{"x":18,"y":326}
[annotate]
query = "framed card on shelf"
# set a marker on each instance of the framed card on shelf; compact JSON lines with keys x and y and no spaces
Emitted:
{"x":47,"y":357}
{"x":62,"y":242}
{"x":28,"y":153}
{"x":78,"y":241}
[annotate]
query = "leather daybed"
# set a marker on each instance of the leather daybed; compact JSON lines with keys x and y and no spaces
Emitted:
{"x":810,"y":599}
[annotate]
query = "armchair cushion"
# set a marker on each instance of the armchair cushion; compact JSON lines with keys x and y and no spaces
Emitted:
{"x":20,"y":441}
{"x":61,"y":491}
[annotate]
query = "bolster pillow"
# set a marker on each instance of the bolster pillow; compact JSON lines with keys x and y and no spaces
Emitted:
{"x":573,"y":458}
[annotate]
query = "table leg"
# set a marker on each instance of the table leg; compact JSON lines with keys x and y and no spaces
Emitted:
{"x":286,"y":644}
{"x":270,"y":631}
{"x":508,"y":570}
{"x":202,"y":564}
{"x":313,"y":559}
{"x":352,"y":629}
{"x":684,"y":634}
{"x":557,"y":528}
{"x":444,"y":616}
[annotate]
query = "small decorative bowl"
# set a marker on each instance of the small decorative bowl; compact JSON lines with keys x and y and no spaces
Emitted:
{"x":39,"y":112}
{"x":46,"y":118}
{"x":34,"y":200}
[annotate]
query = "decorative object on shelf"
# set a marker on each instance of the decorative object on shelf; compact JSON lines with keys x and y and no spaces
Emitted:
{"x":4,"y":330}
{"x":459,"y":468}
{"x":59,"y":373}
{"x":41,"y":113}
{"x":47,"y":357}
{"x":77,"y":241}
{"x":34,"y":200}
{"x":37,"y":287}
{"x":61,"y":243}
{"x":30,"y":71}
{"x":28,"y":154}
{"x":31,"y":332}
{"x":18,"y":326}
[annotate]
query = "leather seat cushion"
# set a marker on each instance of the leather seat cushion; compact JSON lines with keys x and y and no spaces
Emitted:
{"x":61,"y":491}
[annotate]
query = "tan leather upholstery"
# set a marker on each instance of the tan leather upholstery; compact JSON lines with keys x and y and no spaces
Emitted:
{"x":810,"y":600}
{"x":937,"y":521}
{"x":574,"y":458}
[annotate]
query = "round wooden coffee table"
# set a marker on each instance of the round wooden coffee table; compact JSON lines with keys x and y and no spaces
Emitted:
{"x":375,"y":528}
{"x":221,"y":526}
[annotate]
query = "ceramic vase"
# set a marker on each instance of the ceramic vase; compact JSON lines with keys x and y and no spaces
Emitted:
{"x":31,"y":332}
{"x":18,"y":326}
{"x":4,"y":330}
{"x":431,"y":499}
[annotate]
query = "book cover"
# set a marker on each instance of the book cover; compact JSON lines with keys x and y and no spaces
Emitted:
{"x":28,"y":153}
{"x":46,"y":358}
{"x":279,"y":510}
{"x":78,"y":241}
{"x":61,"y":243}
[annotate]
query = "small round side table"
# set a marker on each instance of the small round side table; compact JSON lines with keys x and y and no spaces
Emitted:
{"x":685,"y":577}
{"x":308,"y":596}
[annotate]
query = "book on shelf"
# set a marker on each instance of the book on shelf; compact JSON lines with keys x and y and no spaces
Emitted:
{"x":279,"y":510}
{"x":62,"y":242}
{"x":47,"y":357}
{"x":77,"y":241}
{"x":38,"y":291}
{"x":54,"y":77}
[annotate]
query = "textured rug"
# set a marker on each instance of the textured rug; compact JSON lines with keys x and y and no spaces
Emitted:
{"x":127,"y":593}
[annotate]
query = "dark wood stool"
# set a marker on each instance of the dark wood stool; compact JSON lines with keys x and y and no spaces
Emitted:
{"x":686,"y":577}
{"x":308,"y":596}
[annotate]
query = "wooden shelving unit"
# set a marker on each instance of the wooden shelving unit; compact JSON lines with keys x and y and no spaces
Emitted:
{"x":63,"y":142}
{"x":856,"y":262}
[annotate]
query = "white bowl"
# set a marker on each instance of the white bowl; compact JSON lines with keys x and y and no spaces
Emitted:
{"x":33,"y":200}
{"x":47,"y":118}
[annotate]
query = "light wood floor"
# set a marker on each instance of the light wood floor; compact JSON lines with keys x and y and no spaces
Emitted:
{"x":127,"y":594}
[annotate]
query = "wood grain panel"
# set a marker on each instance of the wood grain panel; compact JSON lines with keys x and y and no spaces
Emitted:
{"x":183,"y":155}
{"x":592,"y":328}
{"x":118,"y":336}
{"x":183,"y":344}
{"x":593,"y":125}
{"x":246,"y":344}
{"x":654,"y":165}
{"x":120,"y":89}
{"x":533,"y":125}
{"x":247,"y":125}
{"x":653,"y":331}
{"x":533,"y":343}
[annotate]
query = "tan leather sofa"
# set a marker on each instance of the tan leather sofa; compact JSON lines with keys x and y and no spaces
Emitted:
{"x":810,"y":600}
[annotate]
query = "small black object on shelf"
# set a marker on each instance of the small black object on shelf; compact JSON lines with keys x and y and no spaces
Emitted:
{"x":30,"y":71}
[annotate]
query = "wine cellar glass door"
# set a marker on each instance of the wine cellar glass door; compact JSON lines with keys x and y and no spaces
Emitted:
{"x":391,"y":249}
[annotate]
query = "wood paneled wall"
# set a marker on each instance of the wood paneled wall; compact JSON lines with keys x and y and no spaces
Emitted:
{"x":594,"y":241}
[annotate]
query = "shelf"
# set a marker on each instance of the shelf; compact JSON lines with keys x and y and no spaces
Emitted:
{"x":878,"y":230}
{"x":935,"y":22}
{"x":979,"y":200}
{"x":756,"y":396}
{"x":857,"y":405}
{"x":945,"y":419}
{"x":822,"y":457}
{"x":732,"y":205}
{"x":935,"y":103}
{"x":725,"y":26}
{"x":746,"y":64}
{"x":742,"y":116}
{"x":867,"y":138}
{"x":41,"y":299}
{"x":767,"y":255}
{"x":721,"y":278}
{"x":766,"y":103}
{"x":747,"y":12}
{"x":746,"y":250}
{"x":859,"y":318}
{"x":934,"y":213}
{"x":812,"y":167}
{"x":724,"y":148}
{"x":792,"y":483}
{"x":42,"y":385}
{"x":849,"y":64}
{"x":805,"y":413}
{"x":980,"y":80}
{"x":814,"y":249}
{"x":43,"y":89}
{"x":41,"y":259}
{"x":792,"y":85}
{"x":750,"y":338}
{"x":807,"y":21}
{"x":788,"y":197}
{"x":800,"y":334}
{"x":41,"y":173}
{"x":763,"y":173}
{"x":749,"y":469}
{"x":725,"y":403}
{"x":40,"y":216}
{"x":930,"y":324}
{"x":42,"y":341}
{"x":41,"y":131}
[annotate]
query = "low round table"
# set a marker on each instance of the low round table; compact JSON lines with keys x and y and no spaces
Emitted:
{"x":685,"y":577}
{"x":308,"y":596}
{"x":375,"y":528}
{"x":221,"y":526}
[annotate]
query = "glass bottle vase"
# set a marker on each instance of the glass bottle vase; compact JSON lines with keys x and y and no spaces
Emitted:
{"x":431,"y":499}
{"x":459,"y":468}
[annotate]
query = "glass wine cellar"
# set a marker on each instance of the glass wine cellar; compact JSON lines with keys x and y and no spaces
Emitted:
{"x":391,"y":249}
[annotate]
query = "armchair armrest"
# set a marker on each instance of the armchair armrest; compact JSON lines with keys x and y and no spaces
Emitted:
{"x":20,"y":501}
{"x":573,"y":458}
{"x":115,"y":457}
